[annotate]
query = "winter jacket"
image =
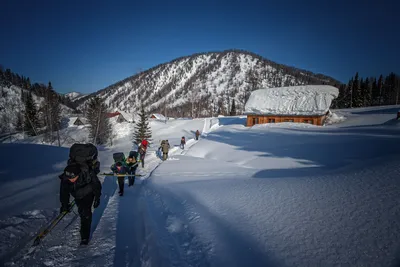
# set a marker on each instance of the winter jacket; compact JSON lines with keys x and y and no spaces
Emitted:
{"x":197,"y":133}
{"x":124,"y":169}
{"x":165,"y":147}
{"x":87,"y":183}
{"x":144,"y":143}
{"x":131,"y":165}
{"x":183,"y":141}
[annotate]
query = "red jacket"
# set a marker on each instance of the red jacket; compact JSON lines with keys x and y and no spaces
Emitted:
{"x":144,"y":143}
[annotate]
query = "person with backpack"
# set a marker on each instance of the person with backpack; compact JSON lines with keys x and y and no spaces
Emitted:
{"x":183,"y":142}
{"x":80,"y":180}
{"x":119,"y":167}
{"x":142,"y":150}
{"x":165,"y":148}
{"x":197,"y":135}
{"x":132,"y":165}
{"x":159,"y":153}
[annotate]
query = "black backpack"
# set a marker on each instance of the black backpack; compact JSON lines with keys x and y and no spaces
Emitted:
{"x":83,"y":153}
{"x":86,"y":156}
{"x":119,"y":157}
{"x":133,"y":154}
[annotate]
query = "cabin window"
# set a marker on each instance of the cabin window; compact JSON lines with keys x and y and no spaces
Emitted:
{"x":255,"y":120}
{"x":288,"y":120}
{"x":271,"y":120}
{"x":308,"y":121}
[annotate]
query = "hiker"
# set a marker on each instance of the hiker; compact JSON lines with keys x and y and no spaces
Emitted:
{"x":165,"y":148}
{"x":183,"y":142}
{"x":197,"y":134}
{"x":132,"y":164}
{"x":119,"y":167}
{"x":159,"y":153}
{"x":142,"y":150}
{"x":80,"y":180}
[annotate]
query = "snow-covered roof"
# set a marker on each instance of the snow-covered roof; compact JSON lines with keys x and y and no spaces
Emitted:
{"x":292,"y":100}
{"x":158,"y":116}
{"x":72,"y":120}
{"x":127,"y":116}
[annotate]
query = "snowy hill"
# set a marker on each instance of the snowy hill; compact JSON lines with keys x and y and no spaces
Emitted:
{"x":269,"y":195}
{"x":11,"y":105}
{"x":208,"y":81}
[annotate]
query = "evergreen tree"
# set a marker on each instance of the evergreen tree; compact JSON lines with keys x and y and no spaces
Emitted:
{"x":142,"y":128}
{"x":357,"y":100}
{"x":375,"y":92}
{"x":52,"y":112}
{"x":100,"y":127}
{"x":367,"y":93}
{"x":233,"y":108}
{"x":380,"y":87}
{"x":19,"y":126}
{"x":31,"y":116}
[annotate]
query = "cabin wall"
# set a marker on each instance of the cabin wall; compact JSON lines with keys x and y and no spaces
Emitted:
{"x":262,"y":119}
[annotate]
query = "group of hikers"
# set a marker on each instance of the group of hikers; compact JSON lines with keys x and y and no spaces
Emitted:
{"x":80,"y":180}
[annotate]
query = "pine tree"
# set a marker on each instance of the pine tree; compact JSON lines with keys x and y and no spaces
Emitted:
{"x":367,"y":93}
{"x":19,"y":125}
{"x":375,"y":92}
{"x":357,"y":93}
{"x":52,"y":112}
{"x":142,"y":128}
{"x":233,"y":108}
{"x":31,"y":116}
{"x":380,"y":87}
{"x":100,"y":127}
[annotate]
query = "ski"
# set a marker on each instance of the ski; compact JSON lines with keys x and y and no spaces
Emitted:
{"x":119,"y":175}
{"x":51,"y":225}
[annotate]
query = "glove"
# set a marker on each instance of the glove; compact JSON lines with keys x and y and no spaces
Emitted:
{"x":96,"y":203}
{"x":65,"y":208}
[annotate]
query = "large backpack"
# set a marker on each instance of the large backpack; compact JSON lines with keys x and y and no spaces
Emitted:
{"x":119,"y":157}
{"x":83,"y":153}
{"x":133,"y":154}
{"x":86,"y":156}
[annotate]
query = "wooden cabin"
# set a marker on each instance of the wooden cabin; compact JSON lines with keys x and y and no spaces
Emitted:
{"x":253,"y":119}
{"x":299,"y":104}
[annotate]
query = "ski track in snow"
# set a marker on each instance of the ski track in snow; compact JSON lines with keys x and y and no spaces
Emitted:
{"x":109,"y":244}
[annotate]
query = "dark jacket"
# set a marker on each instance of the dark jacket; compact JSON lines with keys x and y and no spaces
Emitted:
{"x":87,"y":183}
{"x":124,"y":169}
{"x":132,"y":165}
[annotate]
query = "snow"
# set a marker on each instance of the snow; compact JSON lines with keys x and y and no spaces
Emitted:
{"x":292,"y":100}
{"x":262,"y":196}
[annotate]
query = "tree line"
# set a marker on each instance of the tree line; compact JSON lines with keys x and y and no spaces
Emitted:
{"x":371,"y":91}
{"x":33,"y":117}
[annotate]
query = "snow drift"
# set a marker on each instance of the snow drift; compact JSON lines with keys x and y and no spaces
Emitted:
{"x":292,"y":100}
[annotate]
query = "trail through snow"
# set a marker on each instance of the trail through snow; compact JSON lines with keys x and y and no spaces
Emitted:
{"x":269,"y":195}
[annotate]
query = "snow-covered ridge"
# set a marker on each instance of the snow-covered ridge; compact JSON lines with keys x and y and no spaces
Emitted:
{"x":208,"y":82}
{"x":73,"y":96}
{"x":293,"y":100}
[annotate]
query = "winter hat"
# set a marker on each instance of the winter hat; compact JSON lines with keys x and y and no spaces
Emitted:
{"x":72,"y":170}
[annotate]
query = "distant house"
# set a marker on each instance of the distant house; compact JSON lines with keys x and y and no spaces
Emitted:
{"x":120,"y":116}
{"x":157,"y":116}
{"x":79,"y":121}
{"x":299,"y":104}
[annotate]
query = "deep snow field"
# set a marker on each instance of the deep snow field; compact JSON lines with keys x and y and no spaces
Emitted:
{"x":270,"y":195}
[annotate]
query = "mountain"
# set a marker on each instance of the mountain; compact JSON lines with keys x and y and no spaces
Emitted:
{"x":203,"y":84}
{"x":73,"y":96}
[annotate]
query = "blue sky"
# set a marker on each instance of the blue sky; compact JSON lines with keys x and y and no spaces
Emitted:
{"x":87,"y":45}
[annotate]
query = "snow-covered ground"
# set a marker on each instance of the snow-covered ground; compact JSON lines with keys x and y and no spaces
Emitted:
{"x":269,"y":195}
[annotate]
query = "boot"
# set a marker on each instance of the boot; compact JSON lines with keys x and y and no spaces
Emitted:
{"x":84,"y":241}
